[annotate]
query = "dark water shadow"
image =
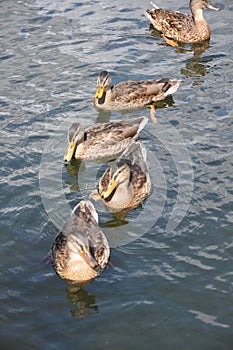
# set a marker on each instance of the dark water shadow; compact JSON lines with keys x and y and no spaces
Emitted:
{"x":117,"y":219}
{"x":73,"y":169}
{"x":195,"y":66}
{"x":121,"y":218}
{"x":85,"y":304}
{"x":104,"y":116}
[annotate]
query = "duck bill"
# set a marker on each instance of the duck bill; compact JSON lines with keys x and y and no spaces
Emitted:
{"x":69,"y":153}
{"x":105,"y":194}
{"x":99,"y":92}
{"x":88,"y":258}
{"x":211,"y":7}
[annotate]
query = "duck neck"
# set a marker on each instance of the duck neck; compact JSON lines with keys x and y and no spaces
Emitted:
{"x":198,"y":15}
{"x":122,"y":196}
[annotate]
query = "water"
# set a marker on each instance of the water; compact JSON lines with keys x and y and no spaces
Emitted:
{"x":170,"y":286}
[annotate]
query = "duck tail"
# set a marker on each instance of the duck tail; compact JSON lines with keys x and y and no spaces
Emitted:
{"x":154,"y":6}
{"x":143,"y":152}
{"x":85,"y":207}
{"x":174,"y":84}
{"x":142,"y":124}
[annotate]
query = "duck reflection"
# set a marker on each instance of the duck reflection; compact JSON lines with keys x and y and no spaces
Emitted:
{"x":117,"y":219}
{"x":74,"y":168}
{"x":85,"y":303}
{"x":195,"y":65}
{"x":198,"y":49}
{"x":104,"y":117}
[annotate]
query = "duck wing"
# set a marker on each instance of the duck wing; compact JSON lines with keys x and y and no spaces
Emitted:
{"x":167,"y":21}
{"x":135,"y":157}
{"x":116,"y":130}
{"x":141,"y":92}
{"x":109,"y":139}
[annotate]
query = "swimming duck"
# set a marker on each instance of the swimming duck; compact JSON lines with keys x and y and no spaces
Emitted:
{"x":126,"y":182}
{"x":80,"y":252}
{"x":102,"y":140}
{"x":181,"y":27}
{"x":131,"y":94}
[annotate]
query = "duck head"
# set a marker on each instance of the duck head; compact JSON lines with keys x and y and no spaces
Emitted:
{"x":76,"y":136}
{"x":103,"y":84}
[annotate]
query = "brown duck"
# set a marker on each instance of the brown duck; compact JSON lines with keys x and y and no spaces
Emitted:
{"x":131,"y":94}
{"x":80,"y":252}
{"x":126,"y":182}
{"x":103,"y":140}
{"x":177,"y":27}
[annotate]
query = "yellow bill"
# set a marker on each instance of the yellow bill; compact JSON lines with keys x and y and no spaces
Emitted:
{"x":69,"y":152}
{"x":100,"y":91}
{"x":113,"y":184}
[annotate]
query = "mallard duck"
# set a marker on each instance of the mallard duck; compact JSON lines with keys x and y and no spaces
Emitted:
{"x":80,"y":252}
{"x":131,"y":94}
{"x":177,"y":27}
{"x":102,"y":140}
{"x":126,"y":182}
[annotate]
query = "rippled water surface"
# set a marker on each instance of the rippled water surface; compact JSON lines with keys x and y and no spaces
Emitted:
{"x":169,"y":285}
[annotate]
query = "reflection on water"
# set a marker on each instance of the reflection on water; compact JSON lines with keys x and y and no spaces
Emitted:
{"x":103,"y":117}
{"x":85,"y":303}
{"x":195,"y":66}
{"x":198,"y":48}
{"x":73,"y":170}
{"x":118,"y":219}
{"x":193,"y":69}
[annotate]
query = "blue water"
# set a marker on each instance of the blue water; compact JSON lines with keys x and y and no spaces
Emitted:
{"x":169,"y":284}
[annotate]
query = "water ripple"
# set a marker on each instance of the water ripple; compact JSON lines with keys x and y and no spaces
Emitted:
{"x":208,"y":319}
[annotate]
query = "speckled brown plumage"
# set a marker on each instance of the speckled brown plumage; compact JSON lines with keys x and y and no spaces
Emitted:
{"x":182,"y":27}
{"x":131,"y":94}
{"x":102,"y":140}
{"x":130,"y":172}
{"x":80,"y":252}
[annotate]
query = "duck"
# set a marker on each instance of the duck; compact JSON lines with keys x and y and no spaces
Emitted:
{"x":177,"y":27}
{"x":126,"y":182}
{"x":80,"y":252}
{"x":102,"y":140}
{"x":131,"y":94}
